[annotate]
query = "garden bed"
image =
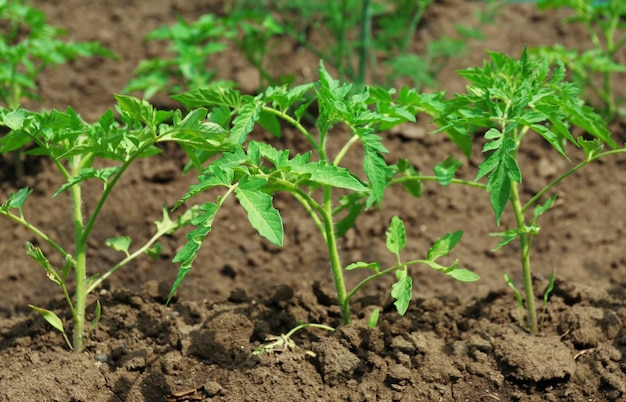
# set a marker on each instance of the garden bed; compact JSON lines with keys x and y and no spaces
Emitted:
{"x":457,"y":341}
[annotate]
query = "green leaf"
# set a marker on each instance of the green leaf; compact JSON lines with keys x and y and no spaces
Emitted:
{"x":270,"y":122}
{"x":396,"y":236}
{"x":15,"y":119}
{"x":446,"y":170}
{"x":352,"y":203}
{"x":549,"y":288}
{"x":375,"y":168}
{"x":444,"y":245}
{"x":120,"y":243}
{"x":16,"y":200}
{"x":53,"y":320}
{"x":36,"y":254}
{"x":138,"y":109}
{"x":212,"y":96}
{"x":155,"y":251}
{"x":168,"y":226}
{"x":402,"y":291}
{"x":363,"y":265}
{"x":327,"y":175}
{"x":187,"y":255}
{"x":541,"y":209}
{"x":372,"y":322}
{"x":500,"y":188}
{"x":258,"y":205}
{"x":507,"y":237}
{"x":243,"y":124}
{"x":463,"y":275}
{"x":414,"y":185}
{"x":51,"y":317}
{"x":502,"y":168}
{"x":591,"y":147}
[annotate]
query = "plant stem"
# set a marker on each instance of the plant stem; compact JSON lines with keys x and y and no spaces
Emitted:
{"x":80,"y":269}
{"x":467,"y":183}
{"x":413,"y":26}
{"x":35,"y":230}
{"x":295,"y":123}
{"x":554,"y":182}
{"x":525,"y":241}
{"x":335,"y":262}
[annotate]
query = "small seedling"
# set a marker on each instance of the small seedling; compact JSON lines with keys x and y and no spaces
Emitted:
{"x":283,"y":342}
{"x":74,"y":147}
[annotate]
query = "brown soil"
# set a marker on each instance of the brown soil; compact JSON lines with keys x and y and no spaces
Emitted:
{"x":457,"y":342}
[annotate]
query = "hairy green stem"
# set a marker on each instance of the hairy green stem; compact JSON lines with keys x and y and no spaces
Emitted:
{"x":525,"y":242}
{"x":335,"y":262}
{"x":295,"y":123}
{"x":80,"y":269}
{"x":35,"y":230}
{"x":554,"y":182}
{"x":407,"y":179}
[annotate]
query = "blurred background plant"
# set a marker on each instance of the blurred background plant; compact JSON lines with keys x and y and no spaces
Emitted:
{"x":28,"y":45}
{"x":365,"y":41}
{"x":192,"y":46}
{"x":593,"y":69}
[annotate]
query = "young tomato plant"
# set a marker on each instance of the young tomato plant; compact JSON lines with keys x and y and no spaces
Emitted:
{"x":510,"y":99}
{"x":74,"y":147}
{"x":593,"y":69}
{"x":254,"y":171}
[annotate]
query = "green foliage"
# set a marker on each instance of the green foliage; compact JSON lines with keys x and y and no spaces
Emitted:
{"x":343,"y":27}
{"x":254,"y":171}
{"x":593,"y":69}
{"x":193,"y":47}
{"x":28,"y":45}
{"x":74,"y":146}
{"x":507,"y":99}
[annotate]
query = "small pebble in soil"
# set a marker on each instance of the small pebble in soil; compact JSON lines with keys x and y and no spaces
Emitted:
{"x":212,"y":388}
